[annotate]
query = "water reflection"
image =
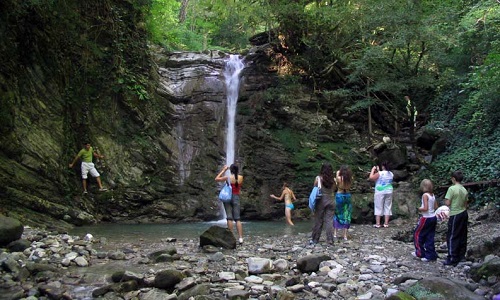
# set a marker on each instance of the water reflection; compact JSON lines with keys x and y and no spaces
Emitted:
{"x":118,"y":233}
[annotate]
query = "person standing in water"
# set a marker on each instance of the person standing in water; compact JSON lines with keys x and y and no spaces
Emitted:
{"x":289,"y":196}
{"x":232,"y":207}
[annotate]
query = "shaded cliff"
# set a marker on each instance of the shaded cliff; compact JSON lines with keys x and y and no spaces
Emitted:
{"x":74,"y":71}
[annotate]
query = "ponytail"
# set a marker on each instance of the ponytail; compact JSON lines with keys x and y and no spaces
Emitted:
{"x":234,"y":170}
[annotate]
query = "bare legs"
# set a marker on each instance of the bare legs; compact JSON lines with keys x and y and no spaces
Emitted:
{"x":239,"y":227}
{"x":99,"y":183}
{"x":288,"y":214}
{"x":344,"y":233}
{"x":386,"y":220}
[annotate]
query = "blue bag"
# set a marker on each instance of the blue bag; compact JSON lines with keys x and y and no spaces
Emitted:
{"x":315,"y":195}
{"x":226,"y":193}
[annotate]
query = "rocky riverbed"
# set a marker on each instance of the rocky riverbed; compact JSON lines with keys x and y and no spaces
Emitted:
{"x":374,"y":263}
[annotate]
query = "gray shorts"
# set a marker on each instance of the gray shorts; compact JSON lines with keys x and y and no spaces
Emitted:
{"x":232,"y":208}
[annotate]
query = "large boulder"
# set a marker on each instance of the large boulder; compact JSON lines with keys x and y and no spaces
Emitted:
{"x":392,"y":153}
{"x":441,"y":288}
{"x":10,"y":230}
{"x":490,"y":267}
{"x":218,"y":237}
{"x":310,"y":263}
{"x":167,"y":279}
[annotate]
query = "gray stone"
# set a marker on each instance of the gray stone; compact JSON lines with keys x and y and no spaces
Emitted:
{"x":219,"y":237}
{"x":10,"y":230}
{"x":445,"y":288}
{"x":257,"y":265}
{"x":310,"y":263}
{"x":167,"y":279}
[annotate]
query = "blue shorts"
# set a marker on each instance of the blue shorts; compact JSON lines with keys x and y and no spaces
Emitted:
{"x":290,"y":206}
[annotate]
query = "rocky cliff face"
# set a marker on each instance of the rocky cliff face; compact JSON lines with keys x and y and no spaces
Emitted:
{"x":159,"y":119}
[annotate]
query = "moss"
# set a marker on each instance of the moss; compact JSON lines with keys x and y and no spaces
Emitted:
{"x":420,"y":292}
{"x":308,"y":155}
{"x":400,"y":296}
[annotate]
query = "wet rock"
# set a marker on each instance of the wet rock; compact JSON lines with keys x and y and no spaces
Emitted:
{"x":443,"y":288}
{"x":257,"y":265}
{"x":10,"y":230}
{"x":310,"y":263}
{"x":490,"y":268}
{"x":167,"y":279}
{"x":219,"y":237}
{"x":18,"y":245}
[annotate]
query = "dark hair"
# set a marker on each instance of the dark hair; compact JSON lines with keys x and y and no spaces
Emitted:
{"x":385,"y":165}
{"x":234,"y":170}
{"x":458,"y":175}
{"x":346,"y":174}
{"x":326,"y":174}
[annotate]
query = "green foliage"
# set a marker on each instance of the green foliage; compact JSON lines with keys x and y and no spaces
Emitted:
{"x":285,"y":93}
{"x":135,"y":84}
{"x":308,"y":155}
{"x":477,"y":157}
{"x":223,"y":24}
{"x":161,"y":22}
{"x":481,"y":110}
{"x":467,"y":105}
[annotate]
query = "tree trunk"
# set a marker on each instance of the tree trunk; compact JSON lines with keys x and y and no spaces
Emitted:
{"x":370,"y":120}
{"x":183,"y":11}
{"x":370,"y":131}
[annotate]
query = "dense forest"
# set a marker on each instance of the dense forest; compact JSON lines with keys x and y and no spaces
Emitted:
{"x":424,"y":63}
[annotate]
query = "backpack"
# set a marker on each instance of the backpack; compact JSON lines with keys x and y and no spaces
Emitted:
{"x":226,"y":193}
{"x":315,"y":195}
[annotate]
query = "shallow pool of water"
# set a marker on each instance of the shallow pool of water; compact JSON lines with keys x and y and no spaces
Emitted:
{"x":118,"y":233}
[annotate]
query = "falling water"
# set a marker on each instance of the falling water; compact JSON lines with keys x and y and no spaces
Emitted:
{"x":232,"y":71}
{"x":234,"y":66}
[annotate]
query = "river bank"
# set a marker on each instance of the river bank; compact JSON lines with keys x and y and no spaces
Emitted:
{"x":374,"y":263}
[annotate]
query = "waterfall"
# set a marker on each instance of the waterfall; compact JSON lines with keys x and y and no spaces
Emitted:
{"x":232,"y":72}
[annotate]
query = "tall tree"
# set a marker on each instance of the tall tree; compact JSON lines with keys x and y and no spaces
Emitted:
{"x":183,"y":11}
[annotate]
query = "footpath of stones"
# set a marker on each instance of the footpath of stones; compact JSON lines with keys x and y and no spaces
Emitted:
{"x":370,"y":265}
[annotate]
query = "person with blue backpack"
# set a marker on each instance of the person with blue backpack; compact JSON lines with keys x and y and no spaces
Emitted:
{"x":325,"y":206}
{"x":232,"y":207}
